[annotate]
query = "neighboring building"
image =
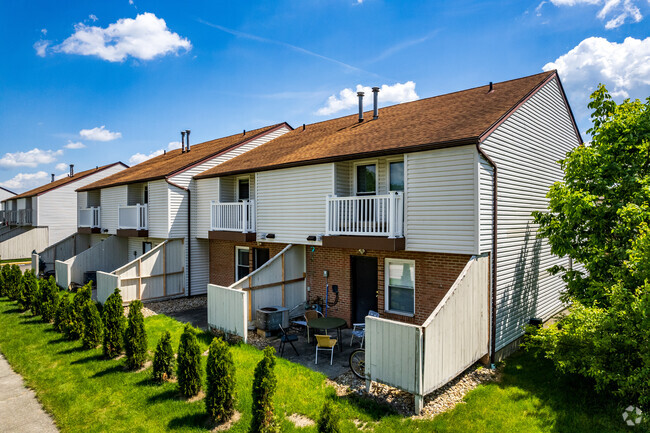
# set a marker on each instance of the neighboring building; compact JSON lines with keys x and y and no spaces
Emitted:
{"x":47,"y":214}
{"x":4,"y":195}
{"x":139,"y":209}
{"x":394,"y":207}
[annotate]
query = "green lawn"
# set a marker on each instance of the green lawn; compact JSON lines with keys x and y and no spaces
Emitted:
{"x":86,"y":393}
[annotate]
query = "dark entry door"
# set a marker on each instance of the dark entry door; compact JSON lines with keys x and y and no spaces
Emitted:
{"x":364,"y":286}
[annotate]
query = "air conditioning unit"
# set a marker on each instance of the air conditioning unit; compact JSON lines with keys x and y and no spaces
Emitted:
{"x":270,"y":318}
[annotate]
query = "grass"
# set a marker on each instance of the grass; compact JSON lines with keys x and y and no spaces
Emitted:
{"x":87,"y":393}
{"x":16,"y":261}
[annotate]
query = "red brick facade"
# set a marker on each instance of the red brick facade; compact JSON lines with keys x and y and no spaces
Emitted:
{"x":434,"y":274}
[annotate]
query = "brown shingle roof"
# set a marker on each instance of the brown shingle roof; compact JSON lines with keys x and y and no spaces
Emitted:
{"x":63,"y":181}
{"x":451,"y":119}
{"x":175,"y":161}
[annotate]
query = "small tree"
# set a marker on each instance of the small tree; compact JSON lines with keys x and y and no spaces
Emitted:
{"x":114,"y":324}
{"x":93,"y":326}
{"x":61,"y":312}
{"x":135,"y":337}
{"x":23,"y":292}
{"x":13,"y":282}
{"x":74,"y":327}
{"x":264,"y":385}
{"x":3,"y":279}
{"x":49,"y":294}
{"x":189,"y":363}
{"x":163,"y":359}
{"x":220,"y":393}
{"x":329,"y":421}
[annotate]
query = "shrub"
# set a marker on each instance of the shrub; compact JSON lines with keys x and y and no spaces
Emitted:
{"x":61,"y":313}
{"x":114,"y":323}
{"x":13,"y":282}
{"x":74,"y":327}
{"x":135,"y":337}
{"x":3,"y":276}
{"x":220,"y":393}
{"x":163,"y":359}
{"x":93,"y":326}
{"x":189,"y":363}
{"x":264,"y":385}
{"x":329,"y":420}
{"x":23,"y":292}
{"x":49,"y":295}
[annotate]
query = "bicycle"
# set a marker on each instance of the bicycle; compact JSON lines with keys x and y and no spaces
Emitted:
{"x":358,"y":363}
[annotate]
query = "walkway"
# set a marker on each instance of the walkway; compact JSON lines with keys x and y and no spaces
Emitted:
{"x":19,"y":409}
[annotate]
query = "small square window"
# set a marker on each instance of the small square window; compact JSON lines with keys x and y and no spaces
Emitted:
{"x":400,"y":286}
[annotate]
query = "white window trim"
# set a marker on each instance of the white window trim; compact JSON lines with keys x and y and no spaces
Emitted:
{"x":387,"y":292}
{"x":388,"y":162}
{"x":374,"y":162}
{"x":237,"y":249}
{"x":237,"y":178}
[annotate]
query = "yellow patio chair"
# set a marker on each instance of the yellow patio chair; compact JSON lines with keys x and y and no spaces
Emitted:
{"x":325,"y":342}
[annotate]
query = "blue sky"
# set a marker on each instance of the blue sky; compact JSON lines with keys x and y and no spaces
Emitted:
{"x":93,"y":82}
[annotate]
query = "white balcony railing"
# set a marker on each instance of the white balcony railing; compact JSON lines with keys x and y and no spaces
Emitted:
{"x":11,"y":217}
{"x":24,"y":217}
{"x":371,"y":215}
{"x":132,"y":217}
{"x":233,"y":217}
{"x":89,"y":217}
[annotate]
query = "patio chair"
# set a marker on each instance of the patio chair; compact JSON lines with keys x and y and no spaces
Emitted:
{"x":325,"y":342}
{"x":309,"y":314}
{"x":359,"y":329}
{"x":286,"y":338}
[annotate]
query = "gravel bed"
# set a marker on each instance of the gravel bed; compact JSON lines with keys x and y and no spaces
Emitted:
{"x":439,"y":401}
{"x":152,"y":308}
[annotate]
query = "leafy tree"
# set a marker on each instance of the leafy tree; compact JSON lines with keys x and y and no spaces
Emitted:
{"x":49,"y":298}
{"x":135,"y":337}
{"x":61,"y":312}
{"x":599,"y":216}
{"x":163,"y":359}
{"x":220,"y":393}
{"x":93,"y":326}
{"x":264,"y":386}
{"x":189,"y":363}
{"x":114,"y":323}
{"x":329,"y":421}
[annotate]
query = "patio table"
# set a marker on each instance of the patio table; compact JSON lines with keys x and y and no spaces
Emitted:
{"x":327,"y":323}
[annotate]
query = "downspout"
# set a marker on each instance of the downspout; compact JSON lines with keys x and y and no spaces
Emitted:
{"x":189,"y":235}
{"x":493,"y":328}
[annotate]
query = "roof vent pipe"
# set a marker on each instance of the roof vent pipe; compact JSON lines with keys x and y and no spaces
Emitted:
{"x":360,"y":95}
{"x":52,"y":177}
{"x":71,"y":170}
{"x":375,"y":98}
{"x":187,"y":142}
{"x":491,"y":87}
{"x":182,"y":141}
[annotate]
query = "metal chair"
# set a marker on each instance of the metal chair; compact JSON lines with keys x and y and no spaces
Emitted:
{"x":285,"y":338}
{"x":309,"y":314}
{"x":325,"y":342}
{"x":359,"y":329}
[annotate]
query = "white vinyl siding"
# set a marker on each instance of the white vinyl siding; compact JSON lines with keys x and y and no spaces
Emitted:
{"x":135,"y":249}
{"x":200,"y":266}
{"x":291,"y":202}
{"x":111,"y":199}
{"x":157,"y":209}
{"x":343,"y":176}
{"x":4,"y":194}
{"x":526,"y":148}
{"x":82,"y":200}
{"x":485,"y":173}
{"x":35,"y":211}
{"x":177,"y":212}
{"x":206,"y":191}
{"x":441,"y":201}
{"x":135,"y":193}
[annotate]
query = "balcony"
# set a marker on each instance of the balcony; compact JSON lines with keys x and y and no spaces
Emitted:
{"x":369,"y":222}
{"x":132,"y":221}
{"x":24,"y":217}
{"x":232,"y":221}
{"x":89,"y":220}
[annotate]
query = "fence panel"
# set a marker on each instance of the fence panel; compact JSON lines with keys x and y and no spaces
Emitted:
{"x":22,"y":244}
{"x":35,"y":262}
{"x":105,"y":256}
{"x":106,"y":285}
{"x":227,"y":310}
{"x":62,"y":274}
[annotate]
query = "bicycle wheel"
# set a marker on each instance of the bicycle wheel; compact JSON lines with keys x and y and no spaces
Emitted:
{"x":358,"y":363}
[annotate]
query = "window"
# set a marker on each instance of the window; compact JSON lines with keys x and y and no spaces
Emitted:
{"x":400,"y":286}
{"x":146,"y":194}
{"x":366,"y":179}
{"x":243,"y":189}
{"x":241,"y":262}
{"x":396,"y":176}
{"x":260,"y":256}
{"x":146,"y":246}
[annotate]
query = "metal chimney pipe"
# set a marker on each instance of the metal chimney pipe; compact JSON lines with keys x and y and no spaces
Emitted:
{"x":360,"y":95}
{"x":491,"y":87}
{"x":71,"y":170}
{"x":182,"y":141}
{"x":187,"y":143}
{"x":52,"y":177}
{"x":375,"y":98}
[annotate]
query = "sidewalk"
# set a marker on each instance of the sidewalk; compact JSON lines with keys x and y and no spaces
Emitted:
{"x":19,"y":409}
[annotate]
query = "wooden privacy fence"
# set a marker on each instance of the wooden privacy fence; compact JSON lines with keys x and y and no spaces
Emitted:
{"x":227,"y":310}
{"x":63,"y":250}
{"x":104,"y":256}
{"x":22,"y":244}
{"x":157,"y":274}
{"x":420,"y":359}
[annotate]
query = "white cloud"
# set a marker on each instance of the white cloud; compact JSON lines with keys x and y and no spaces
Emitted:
{"x":618,"y":11}
{"x":143,"y":38}
{"x":24,"y":181}
{"x":92,"y":17}
{"x":174,"y":145}
{"x":141,"y":157}
{"x":538,"y":9}
{"x":62,"y":166}
{"x":41,"y":47}
{"x":130,"y":2}
{"x":397,"y":93}
{"x":99,"y":134}
{"x":624,"y":67}
{"x":31,"y":158}
{"x":74,"y":145}
{"x":44,"y":31}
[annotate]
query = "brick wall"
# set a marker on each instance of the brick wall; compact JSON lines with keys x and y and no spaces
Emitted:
{"x":434,"y":274}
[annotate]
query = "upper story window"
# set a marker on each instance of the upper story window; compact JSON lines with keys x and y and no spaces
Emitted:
{"x":146,"y":194}
{"x":243,"y":188}
{"x":366,"y":179}
{"x":396,"y":176}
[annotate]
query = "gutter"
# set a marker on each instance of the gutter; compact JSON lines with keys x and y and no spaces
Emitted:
{"x":189,"y":235}
{"x":493,"y":307}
